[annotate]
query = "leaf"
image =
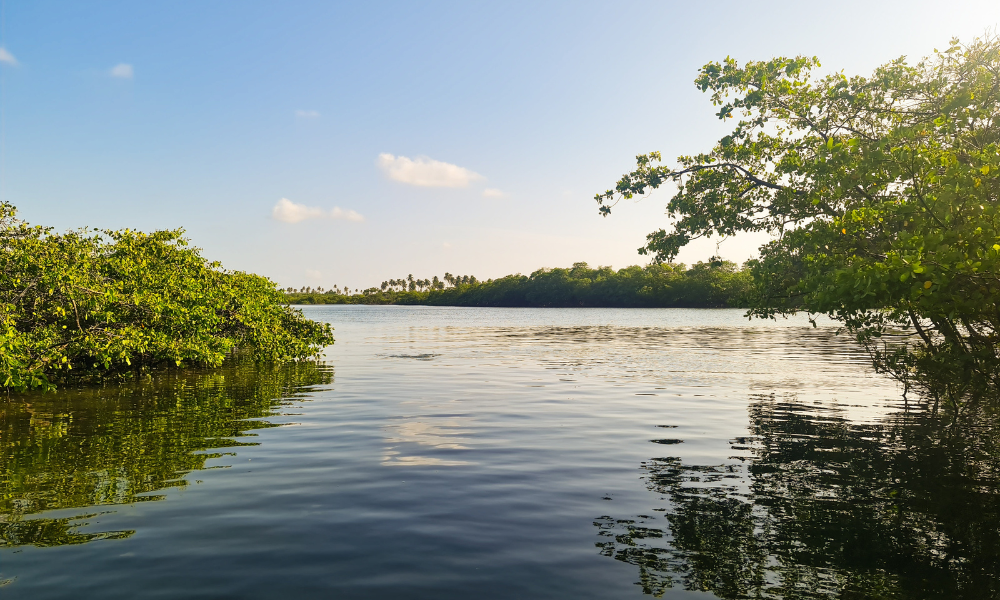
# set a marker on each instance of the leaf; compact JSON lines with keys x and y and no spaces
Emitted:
{"x":909,"y":186}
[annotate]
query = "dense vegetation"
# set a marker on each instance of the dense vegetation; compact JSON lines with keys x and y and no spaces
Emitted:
{"x":882,"y":193}
{"x":713,"y":284}
{"x":87,"y":304}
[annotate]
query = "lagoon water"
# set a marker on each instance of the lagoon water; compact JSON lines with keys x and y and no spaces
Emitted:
{"x":502,"y":453}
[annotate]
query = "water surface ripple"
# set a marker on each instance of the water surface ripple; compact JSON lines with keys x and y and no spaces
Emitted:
{"x":499,"y":453}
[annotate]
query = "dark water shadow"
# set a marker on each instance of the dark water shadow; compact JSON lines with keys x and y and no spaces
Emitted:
{"x":815,"y":506}
{"x":101,"y":446}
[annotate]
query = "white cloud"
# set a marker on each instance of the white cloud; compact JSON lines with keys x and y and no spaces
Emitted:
{"x":307,"y":114}
{"x":493,"y":193}
{"x":289,"y":212}
{"x":446,"y":246}
{"x":313,"y":274}
{"x":347,"y":215}
{"x":7,"y":57}
{"x":425,"y":172}
{"x":122,"y":70}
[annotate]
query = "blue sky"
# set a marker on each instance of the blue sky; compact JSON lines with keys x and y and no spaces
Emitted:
{"x":320,"y":143}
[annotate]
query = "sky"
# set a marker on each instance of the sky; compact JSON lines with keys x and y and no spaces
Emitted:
{"x":324,"y":143}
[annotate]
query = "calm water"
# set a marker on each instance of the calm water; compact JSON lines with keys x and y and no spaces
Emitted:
{"x":500,"y":453}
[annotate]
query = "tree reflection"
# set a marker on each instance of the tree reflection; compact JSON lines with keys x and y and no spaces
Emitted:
{"x":820,"y":507}
{"x":117,"y":445}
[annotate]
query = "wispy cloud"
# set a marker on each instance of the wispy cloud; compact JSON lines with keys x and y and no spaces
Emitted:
{"x":493,"y":193}
{"x":290,"y":212}
{"x":425,"y":172}
{"x":347,"y":215}
{"x":307,"y":114}
{"x":7,"y":58}
{"x":122,"y":71}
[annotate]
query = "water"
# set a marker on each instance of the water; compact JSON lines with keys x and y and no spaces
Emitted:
{"x":498,"y":453}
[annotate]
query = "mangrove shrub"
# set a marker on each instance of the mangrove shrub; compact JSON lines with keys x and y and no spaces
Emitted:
{"x":86,"y":304}
{"x":880,"y":192}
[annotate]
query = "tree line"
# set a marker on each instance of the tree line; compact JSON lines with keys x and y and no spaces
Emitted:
{"x":711,"y":284}
{"x":403,"y":284}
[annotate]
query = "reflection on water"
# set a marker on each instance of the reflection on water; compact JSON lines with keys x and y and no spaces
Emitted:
{"x":466,"y":453}
{"x":820,"y":507}
{"x":407,"y":438}
{"x":120,"y":445}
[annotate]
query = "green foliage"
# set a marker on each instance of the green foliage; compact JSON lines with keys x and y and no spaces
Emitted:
{"x":87,"y":304}
{"x":713,"y":284}
{"x":881,"y":193}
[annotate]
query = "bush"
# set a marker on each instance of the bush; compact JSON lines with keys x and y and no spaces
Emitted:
{"x":87,"y":304}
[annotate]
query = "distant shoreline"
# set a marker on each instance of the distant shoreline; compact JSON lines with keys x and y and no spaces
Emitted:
{"x":717,"y":284}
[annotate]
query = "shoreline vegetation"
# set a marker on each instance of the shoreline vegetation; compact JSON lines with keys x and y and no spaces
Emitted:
{"x":881,"y":194}
{"x":91,"y":305}
{"x":713,"y":284}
